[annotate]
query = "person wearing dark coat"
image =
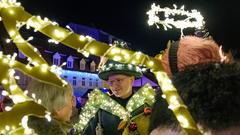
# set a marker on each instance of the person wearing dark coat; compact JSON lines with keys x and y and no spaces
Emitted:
{"x":121,"y":113}
{"x":211,"y":93}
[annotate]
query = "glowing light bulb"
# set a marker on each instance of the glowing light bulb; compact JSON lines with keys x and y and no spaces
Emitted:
{"x":59,"y":34}
{"x":35,"y":49}
{"x":12,"y":33}
{"x":2,"y":132}
{"x":183,"y":121}
{"x":25,"y":92}
{"x":82,"y":38}
{"x":117,"y":58}
{"x":138,"y":55}
{"x":7,"y":127}
{"x":133,"y":62}
{"x":5,"y":93}
{"x":8,"y":40}
{"x":48,"y":116}
{"x":4,"y":81}
{"x":11,"y":12}
{"x":5,"y":60}
{"x":150,"y":63}
{"x":126,"y":56}
{"x":33,"y":96}
{"x":115,"y":50}
{"x":36,"y":64}
{"x":11,"y":63}
{"x":8,"y":108}
{"x":39,"y":101}
{"x":28,"y":67}
{"x":85,"y":53}
{"x":92,"y":51}
{"x":17,"y":77}
{"x":24,"y":124}
{"x":13,"y":87}
{"x":44,"y":68}
{"x":30,"y":38}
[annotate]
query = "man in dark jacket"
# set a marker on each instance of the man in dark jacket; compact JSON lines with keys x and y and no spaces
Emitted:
{"x":122,"y":112}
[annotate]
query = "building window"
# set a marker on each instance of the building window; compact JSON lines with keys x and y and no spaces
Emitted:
{"x":82,"y":64}
{"x":74,"y":82}
{"x":70,"y":62}
{"x":96,"y":82}
{"x":56,"y":59}
{"x":83,"y":81}
{"x":93,"y":66}
{"x":90,"y":82}
{"x":65,"y":77}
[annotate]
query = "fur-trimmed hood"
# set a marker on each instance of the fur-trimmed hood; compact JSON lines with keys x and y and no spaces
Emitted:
{"x":42,"y":126}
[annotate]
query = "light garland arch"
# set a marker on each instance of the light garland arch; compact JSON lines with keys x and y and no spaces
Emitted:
{"x":14,"y":17}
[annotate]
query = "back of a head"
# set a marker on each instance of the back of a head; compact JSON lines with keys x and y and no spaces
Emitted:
{"x":192,"y":50}
{"x":52,"y":97}
{"x":211,"y":92}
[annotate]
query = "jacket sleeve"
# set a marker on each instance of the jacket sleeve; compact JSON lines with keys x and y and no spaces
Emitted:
{"x":90,"y":129}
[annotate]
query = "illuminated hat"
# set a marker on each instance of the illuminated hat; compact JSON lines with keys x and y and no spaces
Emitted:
{"x":112,"y":67}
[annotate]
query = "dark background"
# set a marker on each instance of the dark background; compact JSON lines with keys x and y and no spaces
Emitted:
{"x":127,"y":19}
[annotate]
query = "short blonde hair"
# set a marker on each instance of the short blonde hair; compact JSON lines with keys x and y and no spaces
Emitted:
{"x":52,"y":97}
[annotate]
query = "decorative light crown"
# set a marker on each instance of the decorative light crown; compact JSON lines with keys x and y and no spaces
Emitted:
{"x":193,"y":19}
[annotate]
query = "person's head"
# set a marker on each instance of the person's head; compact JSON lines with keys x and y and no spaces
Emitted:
{"x":189,"y":50}
{"x":120,"y":77}
{"x":57,"y":100}
{"x":211,"y":92}
{"x":121,"y":85}
{"x":162,"y":119}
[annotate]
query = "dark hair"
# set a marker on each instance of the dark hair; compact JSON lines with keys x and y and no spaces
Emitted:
{"x":211,"y":92}
{"x":162,"y":116}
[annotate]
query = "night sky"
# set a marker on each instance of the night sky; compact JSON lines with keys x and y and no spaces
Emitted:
{"x":127,"y":19}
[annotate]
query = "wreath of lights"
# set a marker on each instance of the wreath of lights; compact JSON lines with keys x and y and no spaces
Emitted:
{"x":14,"y":17}
{"x":193,"y":19}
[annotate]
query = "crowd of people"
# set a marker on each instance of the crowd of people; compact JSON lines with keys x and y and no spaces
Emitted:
{"x":207,"y":80}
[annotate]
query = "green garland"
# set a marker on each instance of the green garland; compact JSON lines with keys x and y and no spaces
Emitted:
{"x":99,"y":100}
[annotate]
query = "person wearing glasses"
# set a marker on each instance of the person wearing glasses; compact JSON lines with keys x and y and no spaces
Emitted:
{"x":120,"y":79}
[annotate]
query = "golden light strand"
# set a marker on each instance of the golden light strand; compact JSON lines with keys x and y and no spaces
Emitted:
{"x":12,"y":13}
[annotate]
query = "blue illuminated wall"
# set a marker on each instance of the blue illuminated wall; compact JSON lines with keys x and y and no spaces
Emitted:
{"x":70,"y":75}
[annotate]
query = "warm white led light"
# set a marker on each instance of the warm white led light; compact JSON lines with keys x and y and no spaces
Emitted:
{"x":193,"y":19}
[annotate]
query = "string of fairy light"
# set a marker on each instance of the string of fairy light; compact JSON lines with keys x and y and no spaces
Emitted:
{"x":15,"y":17}
{"x":192,"y":19}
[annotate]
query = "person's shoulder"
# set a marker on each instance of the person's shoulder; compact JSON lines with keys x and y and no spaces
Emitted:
{"x":43,"y":126}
